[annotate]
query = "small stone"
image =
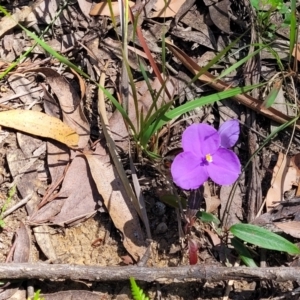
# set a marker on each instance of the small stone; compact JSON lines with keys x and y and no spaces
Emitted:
{"x":161,"y":228}
{"x":159,"y":209}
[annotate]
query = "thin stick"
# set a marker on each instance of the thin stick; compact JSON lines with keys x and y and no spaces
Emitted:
{"x":18,"y":205}
{"x":184,"y":273}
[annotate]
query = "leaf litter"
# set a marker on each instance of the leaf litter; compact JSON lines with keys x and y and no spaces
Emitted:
{"x":78,"y":178}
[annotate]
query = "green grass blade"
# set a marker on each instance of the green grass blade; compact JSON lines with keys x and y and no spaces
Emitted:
{"x":293,"y":28}
{"x":178,"y":111}
{"x":263,"y":238}
{"x":271,"y":97}
{"x":239,"y":63}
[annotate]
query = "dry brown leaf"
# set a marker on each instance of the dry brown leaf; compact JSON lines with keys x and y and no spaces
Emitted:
{"x":220,"y":85}
{"x":102,"y":9}
{"x":118,"y":204}
{"x":42,"y":237}
{"x":163,"y":11}
{"x":295,"y":162}
{"x":213,"y":236}
{"x":85,"y":7}
{"x":284,"y":176}
{"x":24,"y":172}
{"x":40,"y":124}
{"x":219,"y":15}
{"x":58,"y":154}
{"x":292,"y":228}
{"x":296,"y":52}
{"x":22,"y":245}
{"x":234,"y":213}
{"x":9,"y":22}
{"x":69,"y":102}
{"x":22,"y":84}
{"x":212,"y":203}
{"x":78,"y":195}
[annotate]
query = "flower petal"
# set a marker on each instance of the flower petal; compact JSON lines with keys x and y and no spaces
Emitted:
{"x":201,"y":139}
{"x":225,"y":167}
{"x":229,"y":133}
{"x":187,"y":172}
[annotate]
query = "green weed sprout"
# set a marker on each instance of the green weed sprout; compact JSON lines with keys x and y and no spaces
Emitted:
{"x":36,"y":296}
{"x":11,"y":193}
{"x":264,"y":17}
{"x":137,"y":292}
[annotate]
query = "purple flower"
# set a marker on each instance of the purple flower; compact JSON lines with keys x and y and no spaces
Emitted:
{"x":205,"y":155}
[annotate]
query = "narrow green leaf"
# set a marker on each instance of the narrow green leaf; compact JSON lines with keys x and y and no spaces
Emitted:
{"x":172,"y":200}
{"x":293,"y":28}
{"x":263,"y":238}
{"x":207,"y":217}
{"x":271,"y":97}
{"x":243,"y":252}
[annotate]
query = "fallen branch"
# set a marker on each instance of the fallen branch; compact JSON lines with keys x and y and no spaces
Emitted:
{"x":94,"y":273}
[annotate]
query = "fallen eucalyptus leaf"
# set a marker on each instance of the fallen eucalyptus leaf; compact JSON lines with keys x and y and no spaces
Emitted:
{"x":40,"y":124}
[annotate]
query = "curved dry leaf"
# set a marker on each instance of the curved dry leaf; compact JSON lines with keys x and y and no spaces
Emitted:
{"x":40,"y":124}
{"x":102,"y":9}
{"x":69,"y":102}
{"x":118,"y":204}
{"x":219,"y":15}
{"x":296,"y":52}
{"x":22,"y":245}
{"x":292,"y":228}
{"x":284,"y":176}
{"x":85,"y":7}
{"x":163,"y":11}
{"x":295,"y":162}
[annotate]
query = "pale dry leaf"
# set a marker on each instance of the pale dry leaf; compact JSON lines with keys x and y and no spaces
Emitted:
{"x":219,"y":15}
{"x":28,"y":144}
{"x":21,"y":84}
{"x":295,"y":161}
{"x":212,"y":203}
{"x":46,"y":11}
{"x":69,"y":102}
{"x":234,"y":213}
{"x":292,"y":228}
{"x":22,"y":245}
{"x":58,"y":155}
{"x":296,"y":52}
{"x":9,"y":22}
{"x":42,"y":237}
{"x":118,"y":204}
{"x":82,"y":195}
{"x":166,"y":9}
{"x":102,"y":9}
{"x":24,"y":172}
{"x":85,"y":7}
{"x":213,"y":236}
{"x":39,"y":124}
{"x":204,"y":37}
{"x":284,"y":176}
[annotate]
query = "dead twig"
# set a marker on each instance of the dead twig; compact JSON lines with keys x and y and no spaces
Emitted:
{"x":94,"y":273}
{"x":18,"y":205}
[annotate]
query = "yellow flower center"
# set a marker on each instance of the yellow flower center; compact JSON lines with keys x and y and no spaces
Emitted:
{"x":208,"y":158}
